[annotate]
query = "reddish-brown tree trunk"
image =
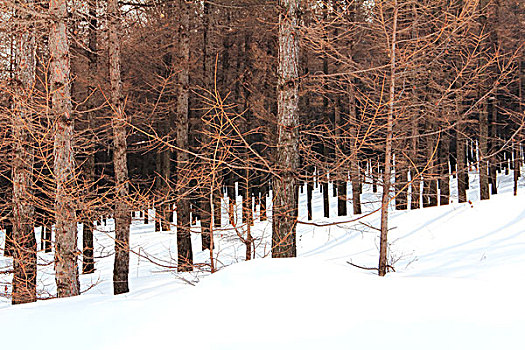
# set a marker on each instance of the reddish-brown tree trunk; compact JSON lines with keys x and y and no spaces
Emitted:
{"x":66,"y":269}
{"x":24,"y":262}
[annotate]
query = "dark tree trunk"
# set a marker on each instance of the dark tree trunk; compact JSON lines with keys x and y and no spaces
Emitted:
{"x":356,"y":190}
{"x":415,"y":176}
{"x":339,"y":185}
{"x":48,"y":241}
{"x":217,"y":202}
{"x":326,"y":197}
{"x":430,"y":187}
{"x":355,"y":176}
{"x":493,"y":159}
{"x":9,"y":246}
{"x":184,"y":246}
{"x":341,"y":197}
{"x":146,"y":215}
{"x":400,"y":185}
{"x":264,"y":194}
{"x":166,"y":207}
{"x":122,"y":213}
{"x":375,"y":175}
{"x":309,"y":195}
{"x":483,"y":152}
{"x":516,"y":162}
{"x":205,"y":213}
{"x":88,"y":264}
{"x":461,"y":156}
{"x":444,"y":180}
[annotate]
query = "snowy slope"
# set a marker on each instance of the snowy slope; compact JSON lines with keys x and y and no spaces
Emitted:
{"x":458,"y":285}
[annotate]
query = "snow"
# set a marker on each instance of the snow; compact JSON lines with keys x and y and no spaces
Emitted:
{"x":458,"y":285}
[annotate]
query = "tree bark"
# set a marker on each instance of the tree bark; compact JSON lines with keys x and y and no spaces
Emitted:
{"x":185,"y":252}
{"x":88,"y":263}
{"x":461,"y":169}
{"x":516,"y":161}
{"x":355,"y":176}
{"x":24,"y":262}
{"x":66,"y":270}
{"x":401,"y":178}
{"x":383,"y":244}
{"x":285,"y":185}
{"x":415,"y":176}
{"x":122,"y":213}
{"x":444,"y":181}
{"x":483,"y":152}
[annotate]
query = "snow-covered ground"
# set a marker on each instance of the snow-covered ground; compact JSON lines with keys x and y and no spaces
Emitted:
{"x":459,"y":284}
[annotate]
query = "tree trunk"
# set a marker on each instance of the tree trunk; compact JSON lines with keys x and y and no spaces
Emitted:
{"x":461,"y":156}
{"x":285,"y":186}
{"x":122,"y":213}
{"x":355,"y":176}
{"x":160,"y":187}
{"x":309,"y":195}
{"x":66,"y":270}
{"x":340,"y":182}
{"x":185,"y":252}
{"x":444,"y":181}
{"x":146,"y":215}
{"x":415,"y":176}
{"x":47,"y":243}
{"x":166,"y":206}
{"x":25,"y":247}
{"x":383,"y":244}
{"x":88,"y":264}
{"x":492,"y":147}
{"x":326,"y":196}
{"x":401,"y":178}
{"x":483,"y":152}
{"x":264,"y":194}
{"x":9,"y":245}
{"x":516,"y":172}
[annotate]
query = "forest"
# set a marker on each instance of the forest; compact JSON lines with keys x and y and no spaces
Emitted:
{"x":204,"y":118}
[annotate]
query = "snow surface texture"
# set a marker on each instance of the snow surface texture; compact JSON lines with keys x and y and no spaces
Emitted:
{"x":458,"y":285}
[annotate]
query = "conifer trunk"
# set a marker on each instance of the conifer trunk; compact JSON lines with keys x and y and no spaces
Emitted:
{"x":461,"y":166}
{"x":66,"y":270}
{"x":285,"y":185}
{"x":444,"y":181}
{"x":355,"y":176}
{"x":383,"y":243}
{"x":122,"y":213}
{"x":88,"y":264}
{"x":185,"y":252}
{"x":415,"y":176}
{"x":24,"y":262}
{"x":483,"y":152}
